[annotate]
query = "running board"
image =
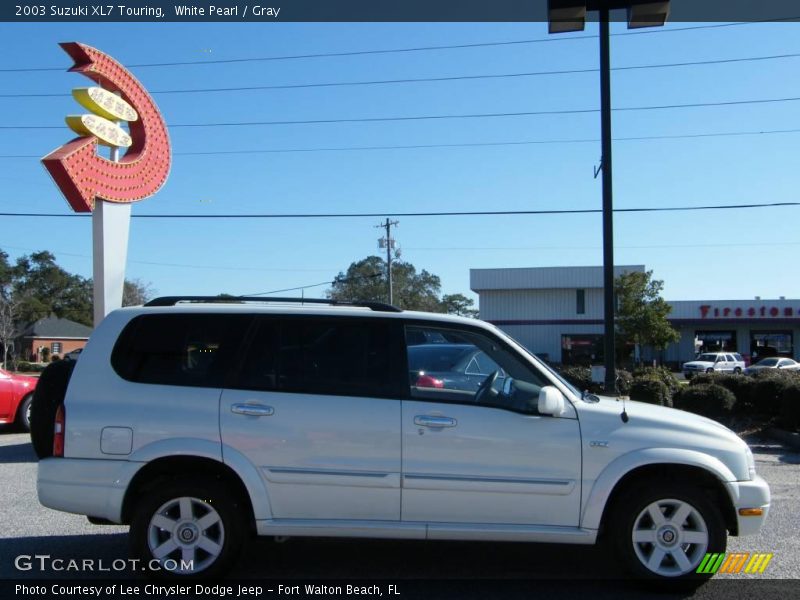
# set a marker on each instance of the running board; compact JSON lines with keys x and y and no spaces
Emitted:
{"x":421,"y":531}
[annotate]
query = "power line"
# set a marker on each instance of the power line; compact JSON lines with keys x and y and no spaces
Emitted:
{"x":178,"y":265}
{"x":559,"y":248}
{"x":553,"y":39}
{"x":313,"y":285}
{"x":448,"y":116}
{"x":253,"y":88}
{"x":462,"y":145}
{"x":576,"y":211}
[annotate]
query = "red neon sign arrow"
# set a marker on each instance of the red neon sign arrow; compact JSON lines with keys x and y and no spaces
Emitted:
{"x":81,"y":174}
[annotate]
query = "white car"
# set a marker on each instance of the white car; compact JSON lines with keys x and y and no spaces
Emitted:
{"x":199,"y":421}
{"x":714,"y":362}
{"x":774,"y":362}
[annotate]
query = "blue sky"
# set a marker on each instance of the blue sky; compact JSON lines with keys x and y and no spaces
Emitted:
{"x":699,"y":255}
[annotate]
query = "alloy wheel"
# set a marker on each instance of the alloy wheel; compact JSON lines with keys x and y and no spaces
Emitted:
{"x":670,"y":537}
{"x":188,"y":531}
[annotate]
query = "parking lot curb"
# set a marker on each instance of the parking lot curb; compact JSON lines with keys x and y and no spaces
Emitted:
{"x":786,"y":437}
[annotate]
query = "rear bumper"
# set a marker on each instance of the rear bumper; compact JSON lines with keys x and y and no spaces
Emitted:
{"x":95,"y":488}
{"x":750,"y":494}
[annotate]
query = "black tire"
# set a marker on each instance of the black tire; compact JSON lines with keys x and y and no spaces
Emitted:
{"x":23,"y":420}
{"x":627,"y":516}
{"x":205,"y":495}
{"x":49,"y":394}
{"x":710,"y":370}
{"x":737,"y":370}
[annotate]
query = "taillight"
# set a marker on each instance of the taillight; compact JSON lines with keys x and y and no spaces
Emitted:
{"x":58,"y":431}
{"x":429,"y":382}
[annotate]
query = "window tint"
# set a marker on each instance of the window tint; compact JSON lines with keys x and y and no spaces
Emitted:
{"x":179,"y":349}
{"x":325,"y":356}
{"x":460,"y":373}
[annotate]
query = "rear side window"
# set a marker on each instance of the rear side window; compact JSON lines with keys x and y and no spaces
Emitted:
{"x":351,"y":357}
{"x":179,"y":349}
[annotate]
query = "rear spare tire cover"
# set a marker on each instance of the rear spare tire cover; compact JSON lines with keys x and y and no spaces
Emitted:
{"x":50,"y":392}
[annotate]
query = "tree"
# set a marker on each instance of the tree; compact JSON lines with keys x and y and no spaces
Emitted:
{"x":136,"y":292}
{"x":459,"y":304}
{"x":365,"y":281}
{"x":9,"y":316}
{"x":43,"y":288}
{"x":642,"y":312}
{"x":40,"y":288}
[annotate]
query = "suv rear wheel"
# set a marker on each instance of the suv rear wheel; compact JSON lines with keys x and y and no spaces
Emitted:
{"x":187,"y":529}
{"x":664,"y":531}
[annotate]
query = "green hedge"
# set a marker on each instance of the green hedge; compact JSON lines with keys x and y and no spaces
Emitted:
{"x":581,"y":378}
{"x":707,"y":399}
{"x":741,"y":386}
{"x":652,"y":391}
{"x":662,"y":374}
{"x":768,"y":389}
{"x":30,"y":367}
{"x":790,"y":407}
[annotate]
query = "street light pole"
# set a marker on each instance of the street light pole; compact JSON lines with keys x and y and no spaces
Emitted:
{"x":609,"y":350}
{"x":570,"y":15}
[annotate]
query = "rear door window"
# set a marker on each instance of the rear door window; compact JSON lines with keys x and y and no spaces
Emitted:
{"x":179,"y":349}
{"x":352,"y":357}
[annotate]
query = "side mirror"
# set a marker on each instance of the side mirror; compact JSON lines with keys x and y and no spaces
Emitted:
{"x":551,"y":401}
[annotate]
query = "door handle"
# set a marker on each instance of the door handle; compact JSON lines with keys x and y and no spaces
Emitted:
{"x":433,"y":421}
{"x":254,"y":410}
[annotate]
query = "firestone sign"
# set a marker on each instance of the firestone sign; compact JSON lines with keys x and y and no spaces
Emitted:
{"x":707,"y":310}
{"x":83,"y":175}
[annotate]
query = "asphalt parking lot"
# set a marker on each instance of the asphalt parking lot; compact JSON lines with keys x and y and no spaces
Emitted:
{"x":30,"y":529}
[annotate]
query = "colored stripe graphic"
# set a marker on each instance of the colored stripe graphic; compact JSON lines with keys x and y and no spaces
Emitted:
{"x":711,"y":563}
{"x":734,"y":562}
{"x":758,"y":563}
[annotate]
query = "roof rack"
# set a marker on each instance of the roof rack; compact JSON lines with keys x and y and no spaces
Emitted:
{"x":173,"y":300}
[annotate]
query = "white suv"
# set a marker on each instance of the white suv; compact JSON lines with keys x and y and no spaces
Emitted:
{"x":711,"y":362}
{"x":200,"y":421}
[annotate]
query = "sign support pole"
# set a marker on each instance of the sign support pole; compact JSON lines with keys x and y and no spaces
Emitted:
{"x":110,"y":232}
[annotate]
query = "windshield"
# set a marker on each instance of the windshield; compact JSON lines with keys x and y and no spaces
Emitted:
{"x":707,"y":357}
{"x":768,"y":362}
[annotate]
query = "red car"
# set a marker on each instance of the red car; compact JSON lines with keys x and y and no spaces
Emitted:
{"x":16,"y":392}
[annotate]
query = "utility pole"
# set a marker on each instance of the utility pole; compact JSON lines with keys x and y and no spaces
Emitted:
{"x":609,"y":347}
{"x":388,"y":243}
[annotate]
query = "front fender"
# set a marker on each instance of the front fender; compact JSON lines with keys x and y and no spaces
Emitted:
{"x":604,"y":484}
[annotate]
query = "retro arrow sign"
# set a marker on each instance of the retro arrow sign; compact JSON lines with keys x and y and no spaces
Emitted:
{"x":83,"y":175}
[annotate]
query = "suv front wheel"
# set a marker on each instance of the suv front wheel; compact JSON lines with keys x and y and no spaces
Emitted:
{"x":187,"y":529}
{"x":662,"y":532}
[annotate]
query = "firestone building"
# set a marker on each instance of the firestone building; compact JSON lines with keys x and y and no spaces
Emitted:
{"x":557,"y":313}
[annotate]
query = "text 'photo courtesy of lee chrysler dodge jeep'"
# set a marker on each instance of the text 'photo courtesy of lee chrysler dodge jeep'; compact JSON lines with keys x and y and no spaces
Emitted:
{"x":201,"y":421}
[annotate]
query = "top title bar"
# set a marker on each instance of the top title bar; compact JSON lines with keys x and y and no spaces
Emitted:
{"x":94,"y":11}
